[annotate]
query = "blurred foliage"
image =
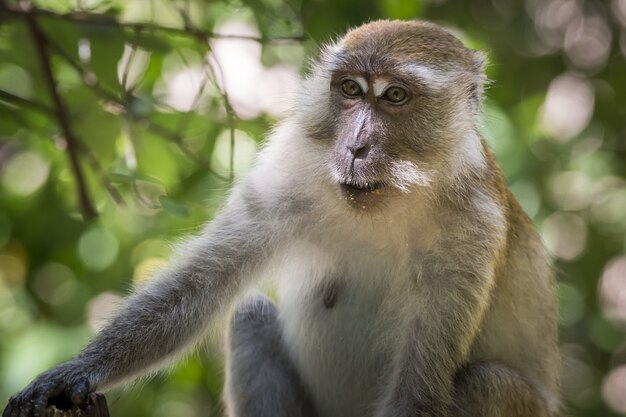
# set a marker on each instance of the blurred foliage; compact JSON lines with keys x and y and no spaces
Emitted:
{"x":161,"y":113}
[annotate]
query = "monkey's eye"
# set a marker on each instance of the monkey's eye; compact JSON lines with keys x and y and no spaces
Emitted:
{"x":351,"y":88}
{"x":395,"y":95}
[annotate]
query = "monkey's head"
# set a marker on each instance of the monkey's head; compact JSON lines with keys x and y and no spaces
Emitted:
{"x":395,"y":106}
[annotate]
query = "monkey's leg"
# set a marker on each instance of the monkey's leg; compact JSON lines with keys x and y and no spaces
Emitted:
{"x":493,"y":390}
{"x":260,"y":379}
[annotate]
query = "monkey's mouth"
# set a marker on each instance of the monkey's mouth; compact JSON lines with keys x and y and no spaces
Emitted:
{"x":351,"y":191}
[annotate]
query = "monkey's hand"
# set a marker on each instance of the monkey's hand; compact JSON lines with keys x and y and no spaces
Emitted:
{"x":63,"y":386}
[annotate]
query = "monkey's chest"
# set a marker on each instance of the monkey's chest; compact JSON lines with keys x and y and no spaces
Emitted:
{"x":337,"y":326}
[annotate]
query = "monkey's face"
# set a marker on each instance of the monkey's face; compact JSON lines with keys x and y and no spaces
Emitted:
{"x":400,"y":104}
{"x":375,"y":137}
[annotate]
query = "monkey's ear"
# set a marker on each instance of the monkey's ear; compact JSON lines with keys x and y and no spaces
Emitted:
{"x":480,"y":79}
{"x":329,"y":56}
{"x":480,"y":61}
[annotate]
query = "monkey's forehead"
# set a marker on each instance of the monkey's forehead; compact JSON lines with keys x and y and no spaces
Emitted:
{"x":401,"y":41}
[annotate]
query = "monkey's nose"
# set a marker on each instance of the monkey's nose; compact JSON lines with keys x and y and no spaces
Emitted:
{"x":359,"y":151}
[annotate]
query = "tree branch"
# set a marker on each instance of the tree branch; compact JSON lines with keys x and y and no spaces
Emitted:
{"x":22,"y":102}
{"x":88,"y":210}
{"x":94,"y":19}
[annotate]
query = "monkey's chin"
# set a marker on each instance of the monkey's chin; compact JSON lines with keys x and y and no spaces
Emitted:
{"x":362,"y":198}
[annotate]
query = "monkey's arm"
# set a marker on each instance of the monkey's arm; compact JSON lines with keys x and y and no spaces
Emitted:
{"x":167,"y":314}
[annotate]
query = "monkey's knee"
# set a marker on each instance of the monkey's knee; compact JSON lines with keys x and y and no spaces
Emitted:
{"x":260,"y":379}
{"x":253,"y":336}
{"x":257,"y":308}
{"x":254,"y":320}
{"x":494,"y":390}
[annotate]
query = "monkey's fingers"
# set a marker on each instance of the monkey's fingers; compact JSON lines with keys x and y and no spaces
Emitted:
{"x":79,"y":391}
{"x":11,"y":409}
{"x":20,"y":404}
{"x":43,"y":392}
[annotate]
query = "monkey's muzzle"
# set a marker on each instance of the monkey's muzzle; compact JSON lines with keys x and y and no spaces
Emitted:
{"x":359,"y":196}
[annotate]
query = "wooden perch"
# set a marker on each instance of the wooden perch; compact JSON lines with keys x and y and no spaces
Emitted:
{"x":95,"y":406}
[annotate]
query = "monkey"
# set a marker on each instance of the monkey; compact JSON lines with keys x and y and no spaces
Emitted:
{"x":410,"y":280}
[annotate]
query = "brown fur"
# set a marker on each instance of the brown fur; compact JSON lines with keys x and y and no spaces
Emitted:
{"x":398,"y":39}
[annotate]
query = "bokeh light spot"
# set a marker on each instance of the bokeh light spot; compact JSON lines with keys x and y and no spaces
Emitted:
{"x":55,"y":283}
{"x":131,"y":68}
{"x":565,"y":235}
{"x":147,"y":268}
{"x":568,"y":106}
{"x":14,"y":79}
{"x":588,"y":43}
{"x":98,"y":248}
{"x":571,"y":190}
{"x":150,"y":248}
{"x":180,"y":87}
{"x":609,"y":207}
{"x":12,"y":267}
{"x":613,"y":389}
{"x":571,"y":304}
{"x":101,"y":308}
{"x":244,"y":148}
{"x":619,"y":10}
{"x":25,"y":173}
{"x":613,"y":289}
{"x":175,"y":407}
{"x":276,"y":91}
{"x":604,"y":335}
{"x":580,"y":379}
{"x":252,"y":88}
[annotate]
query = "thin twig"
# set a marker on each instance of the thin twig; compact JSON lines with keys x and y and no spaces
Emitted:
{"x":88,"y":210}
{"x":94,"y":19}
{"x":184,"y":120}
{"x":104,"y":179}
{"x":23,"y":102}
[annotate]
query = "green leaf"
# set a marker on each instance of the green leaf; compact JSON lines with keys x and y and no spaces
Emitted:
{"x":87,"y":114}
{"x":107,"y":48}
{"x":149,"y":42}
{"x":158,"y":158}
{"x":128,"y":178}
{"x":63,"y":34}
{"x":173,"y":207}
